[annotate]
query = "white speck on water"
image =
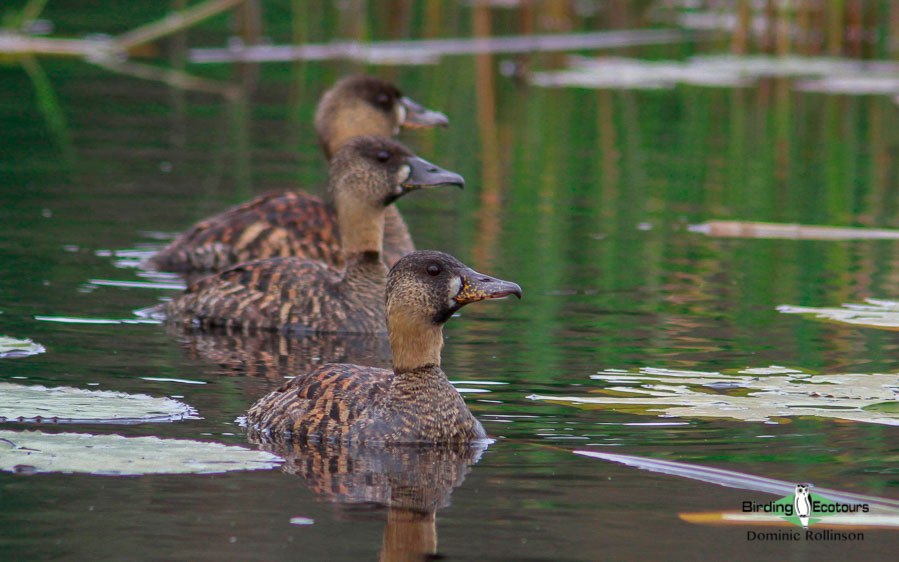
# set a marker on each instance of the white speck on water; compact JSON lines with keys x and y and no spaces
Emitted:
{"x":163,"y":379}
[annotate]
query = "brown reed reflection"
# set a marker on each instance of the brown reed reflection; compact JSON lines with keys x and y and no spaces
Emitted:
{"x":488,"y":215}
{"x":854,"y":28}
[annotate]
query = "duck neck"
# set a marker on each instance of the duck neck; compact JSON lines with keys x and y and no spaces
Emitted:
{"x":366,"y":269}
{"x":414,"y":345}
{"x":361,"y":226}
{"x":353,"y":120}
{"x":409,"y":535}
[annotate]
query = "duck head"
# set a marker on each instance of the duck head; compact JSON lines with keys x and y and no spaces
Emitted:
{"x":424,"y":290}
{"x":365,"y":105}
{"x":369,"y":173}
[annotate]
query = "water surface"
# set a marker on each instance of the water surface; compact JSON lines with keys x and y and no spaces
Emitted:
{"x":583,"y":197}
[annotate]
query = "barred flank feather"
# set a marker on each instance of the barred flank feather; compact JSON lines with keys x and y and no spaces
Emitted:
{"x":287,"y":293}
{"x":341,"y":402}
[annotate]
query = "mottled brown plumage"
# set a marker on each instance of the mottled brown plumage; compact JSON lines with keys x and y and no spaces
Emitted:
{"x":278,"y":224}
{"x":367,"y":175}
{"x":414,"y":402}
{"x":289,"y":223}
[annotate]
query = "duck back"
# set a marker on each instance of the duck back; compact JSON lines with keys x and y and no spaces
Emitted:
{"x":288,"y":294}
{"x":352,"y":403}
{"x":278,"y":224}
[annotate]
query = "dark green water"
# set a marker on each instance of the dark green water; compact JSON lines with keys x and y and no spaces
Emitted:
{"x":580,"y":196}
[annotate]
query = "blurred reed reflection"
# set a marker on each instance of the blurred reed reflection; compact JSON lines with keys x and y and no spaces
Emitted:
{"x":488,"y":215}
{"x":411,"y":481}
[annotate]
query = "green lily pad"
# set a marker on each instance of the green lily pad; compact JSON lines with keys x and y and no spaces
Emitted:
{"x":12,"y":347}
{"x":874,"y":313}
{"x":816,"y":74}
{"x":21,"y":403}
{"x":891,"y":407}
{"x":770,"y":395}
{"x":115,"y":455}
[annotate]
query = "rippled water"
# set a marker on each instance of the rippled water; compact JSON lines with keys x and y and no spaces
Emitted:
{"x":583,"y":197}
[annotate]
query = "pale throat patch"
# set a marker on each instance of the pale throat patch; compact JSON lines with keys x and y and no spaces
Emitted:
{"x":454,"y":287}
{"x":400,"y":116}
{"x":403,"y":175}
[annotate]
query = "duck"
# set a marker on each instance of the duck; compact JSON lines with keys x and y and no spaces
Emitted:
{"x":294,"y":223}
{"x":296,"y":295}
{"x":414,"y":401}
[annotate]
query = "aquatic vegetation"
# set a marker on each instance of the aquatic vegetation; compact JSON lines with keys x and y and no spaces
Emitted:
{"x":767,"y":395}
{"x":813,"y":74}
{"x":146,"y":319}
{"x":12,"y":347}
{"x":791,"y":231}
{"x":36,"y":403}
{"x":115,"y":455}
{"x":875,"y":313}
{"x":430,"y":51}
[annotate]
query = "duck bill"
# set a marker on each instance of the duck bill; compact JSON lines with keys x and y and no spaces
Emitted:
{"x":420,"y":117}
{"x":477,"y":287}
{"x":424,"y":174}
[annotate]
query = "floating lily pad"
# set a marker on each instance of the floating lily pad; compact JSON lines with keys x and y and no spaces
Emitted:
{"x":75,"y":320}
{"x":115,"y":455}
{"x":819,"y":74}
{"x":875,"y":313}
{"x":750,"y":395}
{"x":22,"y":403}
{"x":12,"y":347}
{"x":791,"y":231}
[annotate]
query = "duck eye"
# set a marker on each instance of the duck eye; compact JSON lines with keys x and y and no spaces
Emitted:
{"x":383,"y":156}
{"x":433,"y":270}
{"x":383,"y":100}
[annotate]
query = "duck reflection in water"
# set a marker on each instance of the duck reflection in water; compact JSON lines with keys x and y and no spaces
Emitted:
{"x":412,"y":481}
{"x":275,"y":357}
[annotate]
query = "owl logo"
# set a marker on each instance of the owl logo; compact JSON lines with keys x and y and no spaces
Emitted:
{"x":802,"y":507}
